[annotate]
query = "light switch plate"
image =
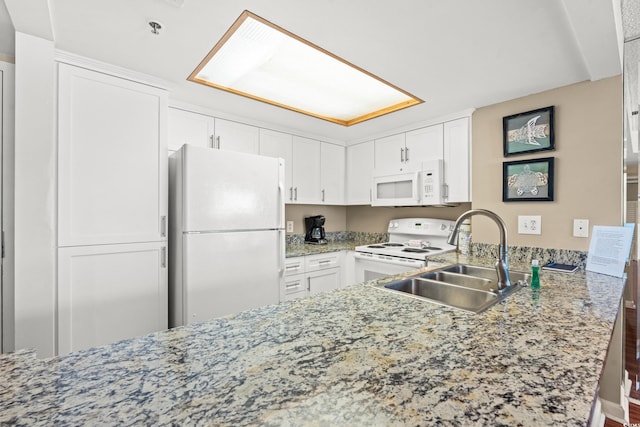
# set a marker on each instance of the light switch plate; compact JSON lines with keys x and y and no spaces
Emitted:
{"x":580,"y":228}
{"x":289,"y":226}
{"x":529,"y":224}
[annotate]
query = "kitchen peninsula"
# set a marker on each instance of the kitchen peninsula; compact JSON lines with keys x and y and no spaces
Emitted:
{"x":353,"y":356}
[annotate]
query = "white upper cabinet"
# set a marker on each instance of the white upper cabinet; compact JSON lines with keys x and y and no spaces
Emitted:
{"x":359,"y":167}
{"x":186,"y":127}
{"x":424,"y":143}
{"x":306,"y":186}
{"x":457,"y":160}
{"x":332,"y":174}
{"x":234,"y":136}
{"x":389,"y":152}
{"x":405,"y":151}
{"x":449,"y":141}
{"x":112,"y":159}
{"x":279,"y":144}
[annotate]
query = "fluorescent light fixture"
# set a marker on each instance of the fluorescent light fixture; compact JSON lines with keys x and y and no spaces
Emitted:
{"x":262,"y":61}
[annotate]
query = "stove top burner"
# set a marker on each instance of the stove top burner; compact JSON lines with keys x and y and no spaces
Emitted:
{"x":376,"y":246}
{"x":415,"y":250}
{"x":393,"y":244}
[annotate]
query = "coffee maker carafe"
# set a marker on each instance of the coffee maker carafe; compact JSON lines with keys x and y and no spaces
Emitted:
{"x":314,"y":226}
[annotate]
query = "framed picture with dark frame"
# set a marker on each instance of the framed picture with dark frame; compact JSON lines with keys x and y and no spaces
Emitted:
{"x":528,"y":180}
{"x":528,"y":132}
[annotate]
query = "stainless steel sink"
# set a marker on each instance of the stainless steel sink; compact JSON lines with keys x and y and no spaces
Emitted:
{"x":469,"y":288}
{"x":467,"y":299}
{"x":464,"y":280}
{"x":485,"y":272}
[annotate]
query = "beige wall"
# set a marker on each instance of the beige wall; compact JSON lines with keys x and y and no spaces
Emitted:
{"x":335,"y":216}
{"x":368,"y":219}
{"x":588,"y":165}
{"x":365,"y":218}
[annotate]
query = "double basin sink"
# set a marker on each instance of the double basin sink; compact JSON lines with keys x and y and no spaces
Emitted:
{"x":465,"y":287}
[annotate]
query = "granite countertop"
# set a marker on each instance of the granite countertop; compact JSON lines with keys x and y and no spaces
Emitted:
{"x":300,"y":249}
{"x":354,"y":356}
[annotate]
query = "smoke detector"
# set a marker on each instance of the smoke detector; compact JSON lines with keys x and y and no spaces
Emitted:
{"x":155,"y":27}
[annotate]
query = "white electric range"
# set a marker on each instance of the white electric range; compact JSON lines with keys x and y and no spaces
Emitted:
{"x":411,"y":241}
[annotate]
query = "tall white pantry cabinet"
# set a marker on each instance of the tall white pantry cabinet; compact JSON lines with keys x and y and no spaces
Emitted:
{"x":112,"y":209}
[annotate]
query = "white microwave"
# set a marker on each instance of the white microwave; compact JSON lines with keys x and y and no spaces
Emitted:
{"x":420,"y":187}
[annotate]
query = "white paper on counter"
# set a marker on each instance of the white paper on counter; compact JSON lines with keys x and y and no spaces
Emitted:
{"x":609,"y":249}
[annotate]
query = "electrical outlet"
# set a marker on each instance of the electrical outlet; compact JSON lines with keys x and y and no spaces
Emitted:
{"x":289,"y":226}
{"x":529,"y":224}
{"x":580,"y":228}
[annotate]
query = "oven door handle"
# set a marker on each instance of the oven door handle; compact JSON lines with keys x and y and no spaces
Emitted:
{"x":391,"y":260}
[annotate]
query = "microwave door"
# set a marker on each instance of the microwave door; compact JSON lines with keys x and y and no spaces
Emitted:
{"x":396,"y":190}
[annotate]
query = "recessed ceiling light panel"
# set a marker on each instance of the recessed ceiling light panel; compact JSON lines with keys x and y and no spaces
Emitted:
{"x":259,"y":60}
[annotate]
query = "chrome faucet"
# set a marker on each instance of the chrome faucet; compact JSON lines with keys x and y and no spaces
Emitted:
{"x":502,"y":263}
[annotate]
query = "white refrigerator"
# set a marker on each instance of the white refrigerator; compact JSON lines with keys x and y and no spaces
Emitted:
{"x":226,"y":233}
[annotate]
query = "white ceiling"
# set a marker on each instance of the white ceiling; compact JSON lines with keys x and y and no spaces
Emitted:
{"x":454,"y":54}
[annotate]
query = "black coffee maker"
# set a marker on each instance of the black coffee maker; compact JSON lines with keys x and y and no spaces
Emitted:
{"x":314,"y":226}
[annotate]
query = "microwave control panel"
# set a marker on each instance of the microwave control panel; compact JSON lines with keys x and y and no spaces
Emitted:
{"x":432,"y":182}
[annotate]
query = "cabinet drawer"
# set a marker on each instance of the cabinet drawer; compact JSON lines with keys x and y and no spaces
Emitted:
{"x":293,"y":265}
{"x":295,"y":284}
{"x":321,"y":262}
{"x":294,"y":287}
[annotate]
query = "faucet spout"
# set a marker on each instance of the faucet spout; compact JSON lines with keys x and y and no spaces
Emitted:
{"x":502,"y":263}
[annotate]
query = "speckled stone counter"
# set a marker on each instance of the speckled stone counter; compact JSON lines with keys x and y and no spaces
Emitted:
{"x":300,"y":249}
{"x":337,"y":241}
{"x":357,"y":356}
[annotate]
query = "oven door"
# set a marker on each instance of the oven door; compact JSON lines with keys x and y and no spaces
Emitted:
{"x":370,"y":266}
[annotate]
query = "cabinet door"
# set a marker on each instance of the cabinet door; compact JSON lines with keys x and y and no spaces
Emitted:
{"x":108,"y":293}
{"x":332,"y":172}
{"x":186,"y":127}
{"x":324,"y":280}
{"x":457,"y":160}
{"x":234,"y":136}
{"x":279,"y":144}
{"x":306,"y":171}
{"x":359,"y":167}
{"x":389,"y":153}
{"x":112,"y":159}
{"x":424,"y":143}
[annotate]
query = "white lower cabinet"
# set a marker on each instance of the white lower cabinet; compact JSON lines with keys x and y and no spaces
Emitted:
{"x":295,"y":287}
{"x":323,"y":272}
{"x":311,"y":274}
{"x":324,"y":280}
{"x":108,"y":293}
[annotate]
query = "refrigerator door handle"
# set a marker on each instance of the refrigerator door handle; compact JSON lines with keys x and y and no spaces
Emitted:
{"x":163,"y":226}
